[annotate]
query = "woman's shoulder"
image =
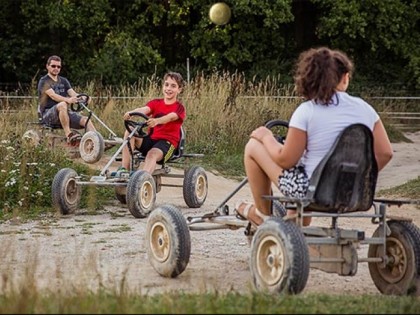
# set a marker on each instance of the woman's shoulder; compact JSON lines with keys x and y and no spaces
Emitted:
{"x":350,"y":98}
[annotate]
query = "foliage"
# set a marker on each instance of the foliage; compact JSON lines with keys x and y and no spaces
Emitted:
{"x":385,"y":32}
{"x":27,"y":172}
{"x":117,"y":42}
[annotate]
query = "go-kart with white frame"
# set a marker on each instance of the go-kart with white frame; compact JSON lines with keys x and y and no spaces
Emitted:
{"x":137,"y":188}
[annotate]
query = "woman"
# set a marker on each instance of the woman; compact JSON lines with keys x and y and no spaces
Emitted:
{"x":321,"y":77}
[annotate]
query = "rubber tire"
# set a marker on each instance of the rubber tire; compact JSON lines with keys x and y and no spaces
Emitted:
{"x":278,"y":209}
{"x":121,"y":194}
{"x":285,"y":243}
{"x":92,"y":147}
{"x":65,"y":192}
{"x":141,"y":194}
{"x":195,"y":186}
{"x":402,"y":278}
{"x":168,"y":241}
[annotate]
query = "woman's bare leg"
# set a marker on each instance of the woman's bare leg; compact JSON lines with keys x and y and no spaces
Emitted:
{"x":261,"y":171}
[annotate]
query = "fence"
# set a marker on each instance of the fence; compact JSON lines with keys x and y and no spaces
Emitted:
{"x":405,"y":121}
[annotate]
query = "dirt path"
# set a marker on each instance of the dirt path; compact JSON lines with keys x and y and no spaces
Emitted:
{"x":106,"y":248}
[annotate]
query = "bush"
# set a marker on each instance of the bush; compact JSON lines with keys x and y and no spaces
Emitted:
{"x":27,"y":172}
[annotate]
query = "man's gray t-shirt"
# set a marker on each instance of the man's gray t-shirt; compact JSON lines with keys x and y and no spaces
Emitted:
{"x":61,"y":86}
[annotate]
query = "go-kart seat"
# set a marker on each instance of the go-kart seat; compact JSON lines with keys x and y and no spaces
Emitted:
{"x":178,"y":152}
{"x":345,"y":179}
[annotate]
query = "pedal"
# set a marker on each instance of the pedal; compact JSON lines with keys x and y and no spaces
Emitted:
{"x":249,"y":230}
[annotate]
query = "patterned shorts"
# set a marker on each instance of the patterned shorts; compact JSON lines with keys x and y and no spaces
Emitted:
{"x":294,"y":182}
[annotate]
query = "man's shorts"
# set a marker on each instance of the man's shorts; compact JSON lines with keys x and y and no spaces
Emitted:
{"x":50,"y":117}
{"x":165,"y":146}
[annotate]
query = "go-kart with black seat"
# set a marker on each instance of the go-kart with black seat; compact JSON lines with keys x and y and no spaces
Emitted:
{"x":283,"y":250}
{"x":90,"y":144}
{"x":137,"y":188}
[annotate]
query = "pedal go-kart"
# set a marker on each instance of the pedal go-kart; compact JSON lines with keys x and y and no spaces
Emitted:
{"x":282,"y":251}
{"x":137,"y":189}
{"x":91,"y":145}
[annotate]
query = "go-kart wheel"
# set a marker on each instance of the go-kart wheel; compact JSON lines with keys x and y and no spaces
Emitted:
{"x":279,"y":210}
{"x":279,"y":260}
{"x":65,"y":192}
{"x":140,"y":128}
{"x":279,"y":129}
{"x":195,"y":186}
{"x":92,"y":147}
{"x":400,"y":273}
{"x":141,"y":194}
{"x":83,"y":100}
{"x":121,"y":194}
{"x":168,"y":241}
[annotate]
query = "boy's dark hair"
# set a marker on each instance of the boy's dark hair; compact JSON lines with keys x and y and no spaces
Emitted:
{"x":175,"y":76}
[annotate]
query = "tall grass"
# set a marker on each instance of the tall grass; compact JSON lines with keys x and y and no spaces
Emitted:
{"x":222,"y":110}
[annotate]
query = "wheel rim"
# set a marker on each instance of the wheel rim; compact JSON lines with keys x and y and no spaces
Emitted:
{"x":201,"y":188}
{"x":395,"y":270}
{"x":146,"y":195}
{"x":160,"y":242}
{"x":88,"y":146}
{"x":270,"y":260}
{"x":71,"y":192}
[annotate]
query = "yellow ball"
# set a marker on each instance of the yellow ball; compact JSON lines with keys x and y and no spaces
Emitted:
{"x":220,"y":13}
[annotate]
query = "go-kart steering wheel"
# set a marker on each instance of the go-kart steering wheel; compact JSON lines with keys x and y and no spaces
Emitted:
{"x":278,"y":123}
{"x":141,"y":128}
{"x":83,"y":100}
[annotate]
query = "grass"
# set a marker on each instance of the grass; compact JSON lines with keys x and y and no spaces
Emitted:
{"x":222,"y":111}
{"x":409,"y":190}
{"x":208,"y":303}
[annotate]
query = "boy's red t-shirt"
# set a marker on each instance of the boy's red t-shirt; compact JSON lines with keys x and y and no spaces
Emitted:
{"x":170,"y":131}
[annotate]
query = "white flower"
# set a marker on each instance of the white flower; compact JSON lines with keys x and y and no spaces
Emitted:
{"x":11,"y":182}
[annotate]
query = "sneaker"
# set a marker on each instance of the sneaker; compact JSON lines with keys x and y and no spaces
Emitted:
{"x":73,"y":139}
{"x":120,"y":172}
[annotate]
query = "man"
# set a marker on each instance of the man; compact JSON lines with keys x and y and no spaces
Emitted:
{"x":55,"y":94}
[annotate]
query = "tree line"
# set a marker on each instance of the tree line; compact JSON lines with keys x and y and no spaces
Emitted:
{"x":114,"y":42}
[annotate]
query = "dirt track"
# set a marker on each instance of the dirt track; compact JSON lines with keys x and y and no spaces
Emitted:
{"x":106,"y":248}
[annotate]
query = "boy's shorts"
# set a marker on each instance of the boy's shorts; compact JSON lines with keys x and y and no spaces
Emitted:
{"x":50,"y":117}
{"x":165,"y":146}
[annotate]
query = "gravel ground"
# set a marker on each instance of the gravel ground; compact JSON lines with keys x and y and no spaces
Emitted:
{"x":106,"y":248}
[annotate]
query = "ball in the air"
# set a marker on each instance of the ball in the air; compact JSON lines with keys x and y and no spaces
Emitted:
{"x":220,"y":13}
